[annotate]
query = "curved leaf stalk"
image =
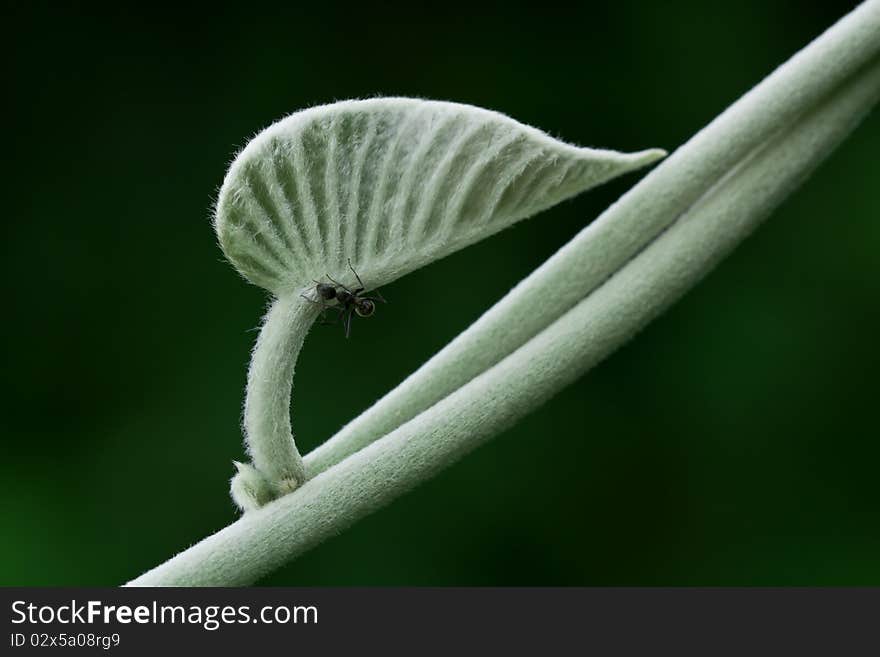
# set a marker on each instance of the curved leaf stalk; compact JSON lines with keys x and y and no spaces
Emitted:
{"x":277,"y":464}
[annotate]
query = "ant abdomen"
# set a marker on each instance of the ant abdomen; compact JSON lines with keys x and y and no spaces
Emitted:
{"x":364,"y":307}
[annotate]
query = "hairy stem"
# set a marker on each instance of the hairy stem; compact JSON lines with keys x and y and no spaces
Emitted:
{"x":706,"y":223}
{"x":809,"y":79}
{"x":268,"y":434}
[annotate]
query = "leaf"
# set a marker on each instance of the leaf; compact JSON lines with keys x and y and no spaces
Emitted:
{"x":386,"y":185}
{"x":774,"y":112}
{"x":391,"y":184}
{"x":686,"y":215}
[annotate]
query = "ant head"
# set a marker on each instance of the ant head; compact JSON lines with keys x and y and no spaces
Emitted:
{"x":364,"y":307}
{"x":325,"y":291}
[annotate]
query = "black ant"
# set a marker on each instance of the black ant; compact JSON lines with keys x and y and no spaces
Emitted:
{"x":349,"y":301}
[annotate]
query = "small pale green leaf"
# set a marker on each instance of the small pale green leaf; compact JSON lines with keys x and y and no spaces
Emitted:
{"x":391,"y":184}
{"x":387,"y":185}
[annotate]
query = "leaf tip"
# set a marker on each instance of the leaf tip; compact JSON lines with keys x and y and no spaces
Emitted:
{"x":649,"y":156}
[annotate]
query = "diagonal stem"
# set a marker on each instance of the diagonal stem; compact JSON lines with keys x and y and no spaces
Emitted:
{"x":807,"y":80}
{"x":704,"y":227}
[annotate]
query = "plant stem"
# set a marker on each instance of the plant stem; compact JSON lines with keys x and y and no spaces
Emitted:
{"x":807,"y":80}
{"x":708,"y":220}
{"x":268,"y":433}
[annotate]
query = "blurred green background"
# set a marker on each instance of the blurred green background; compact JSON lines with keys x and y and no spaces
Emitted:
{"x":734,"y":441}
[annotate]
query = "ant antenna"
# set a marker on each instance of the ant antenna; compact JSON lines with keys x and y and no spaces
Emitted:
{"x":360,"y":282}
{"x":337,"y":284}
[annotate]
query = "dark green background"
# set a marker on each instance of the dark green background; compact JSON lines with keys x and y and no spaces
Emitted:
{"x":733,"y":442}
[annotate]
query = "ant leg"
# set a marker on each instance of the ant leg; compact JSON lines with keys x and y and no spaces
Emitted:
{"x":322,"y":303}
{"x":348,"y":322}
{"x":379,"y":295}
